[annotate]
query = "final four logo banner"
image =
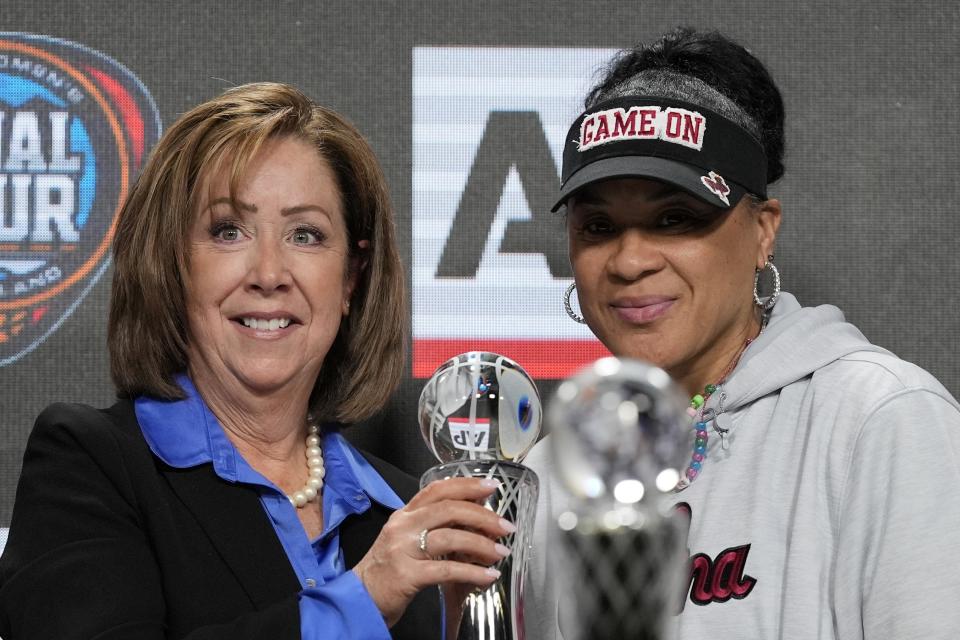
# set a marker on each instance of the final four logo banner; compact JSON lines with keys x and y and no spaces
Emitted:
{"x":75,"y":127}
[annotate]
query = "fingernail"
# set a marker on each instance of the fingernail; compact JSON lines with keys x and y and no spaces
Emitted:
{"x":490,"y":483}
{"x":493,"y":573}
{"x":501,"y":550}
{"x":507,"y":526}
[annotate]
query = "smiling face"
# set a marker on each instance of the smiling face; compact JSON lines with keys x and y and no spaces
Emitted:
{"x":269,"y":279}
{"x":663,"y":277}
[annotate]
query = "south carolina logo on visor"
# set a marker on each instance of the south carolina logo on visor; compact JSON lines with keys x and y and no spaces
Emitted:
{"x":717,"y":185}
{"x":75,"y":126}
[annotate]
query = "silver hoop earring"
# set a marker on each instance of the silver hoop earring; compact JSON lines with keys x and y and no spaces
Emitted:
{"x":576,"y":317}
{"x":766,"y":304}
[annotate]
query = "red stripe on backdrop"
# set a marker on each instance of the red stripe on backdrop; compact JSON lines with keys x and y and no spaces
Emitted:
{"x":547,"y":359}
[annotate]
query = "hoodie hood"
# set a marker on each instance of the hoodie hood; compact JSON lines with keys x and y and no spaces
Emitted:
{"x":796,"y":342}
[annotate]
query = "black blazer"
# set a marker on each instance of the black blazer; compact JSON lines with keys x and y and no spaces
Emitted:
{"x":107,"y":542}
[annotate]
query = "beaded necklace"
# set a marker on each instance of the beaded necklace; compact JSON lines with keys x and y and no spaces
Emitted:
{"x":700,"y":419}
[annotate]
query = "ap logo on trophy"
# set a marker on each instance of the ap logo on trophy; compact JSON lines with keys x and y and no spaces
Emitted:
{"x":489,"y":258}
{"x":75,"y":126}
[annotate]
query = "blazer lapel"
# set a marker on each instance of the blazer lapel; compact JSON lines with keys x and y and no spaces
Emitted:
{"x":357,"y":533}
{"x":235,"y":522}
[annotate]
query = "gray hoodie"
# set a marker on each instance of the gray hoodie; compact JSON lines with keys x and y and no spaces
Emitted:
{"x":832,"y":512}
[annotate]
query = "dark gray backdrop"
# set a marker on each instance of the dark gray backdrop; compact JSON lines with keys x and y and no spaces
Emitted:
{"x":869,"y":195}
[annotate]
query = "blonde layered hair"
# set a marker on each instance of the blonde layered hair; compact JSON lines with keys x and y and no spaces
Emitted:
{"x":148,"y":331}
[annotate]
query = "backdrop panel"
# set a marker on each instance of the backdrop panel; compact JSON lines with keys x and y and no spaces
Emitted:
{"x":466,"y":107}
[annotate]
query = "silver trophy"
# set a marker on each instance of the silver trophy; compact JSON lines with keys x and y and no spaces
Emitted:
{"x":480,"y":414}
{"x":620,"y":438}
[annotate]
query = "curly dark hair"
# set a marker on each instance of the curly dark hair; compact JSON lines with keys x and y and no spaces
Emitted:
{"x":705,"y":68}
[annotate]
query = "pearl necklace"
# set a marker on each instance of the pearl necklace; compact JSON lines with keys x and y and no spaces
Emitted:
{"x":315,"y":471}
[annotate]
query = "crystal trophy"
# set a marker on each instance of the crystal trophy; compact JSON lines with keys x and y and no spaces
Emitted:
{"x":480,"y":414}
{"x":620,"y":438}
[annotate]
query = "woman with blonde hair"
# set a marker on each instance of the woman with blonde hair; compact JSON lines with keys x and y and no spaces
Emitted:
{"x":257,"y":309}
